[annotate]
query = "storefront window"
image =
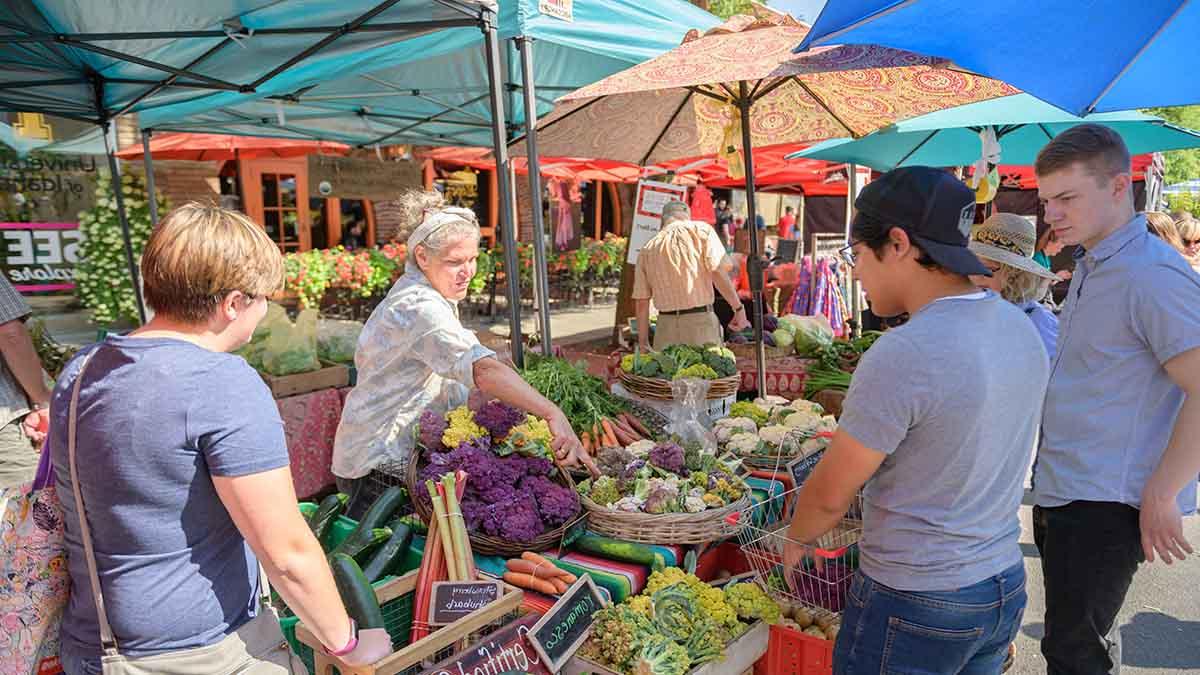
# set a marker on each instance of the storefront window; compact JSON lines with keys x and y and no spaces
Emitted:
{"x":280,"y":215}
{"x":354,"y":223}
{"x":318,"y":215}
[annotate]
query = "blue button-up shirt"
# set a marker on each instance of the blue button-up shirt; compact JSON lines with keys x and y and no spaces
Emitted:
{"x":1133,"y":305}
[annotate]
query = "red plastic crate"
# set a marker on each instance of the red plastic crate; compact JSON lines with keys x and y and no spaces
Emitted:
{"x":791,"y":652}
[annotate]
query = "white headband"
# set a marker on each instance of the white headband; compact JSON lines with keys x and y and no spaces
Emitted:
{"x":436,"y":219}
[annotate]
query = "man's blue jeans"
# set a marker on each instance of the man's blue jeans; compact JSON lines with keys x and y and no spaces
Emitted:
{"x":962,"y":631}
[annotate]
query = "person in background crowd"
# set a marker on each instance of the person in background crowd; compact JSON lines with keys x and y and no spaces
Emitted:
{"x":414,"y":353}
{"x":1161,"y":226}
{"x":1048,"y":248}
{"x":954,"y":394}
{"x":184,"y":476}
{"x":1120,"y":447}
{"x":787,"y":224}
{"x":1188,"y":229}
{"x":760,"y":222}
{"x":24,"y":395}
{"x":678,"y":268}
{"x":725,"y":223}
{"x":355,"y":236}
{"x":1004,"y":242}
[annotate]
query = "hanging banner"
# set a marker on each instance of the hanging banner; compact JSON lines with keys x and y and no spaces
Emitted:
{"x":39,"y":257}
{"x":652,"y":196}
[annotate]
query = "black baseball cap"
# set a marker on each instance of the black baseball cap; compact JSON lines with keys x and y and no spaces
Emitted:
{"x":935,"y":208}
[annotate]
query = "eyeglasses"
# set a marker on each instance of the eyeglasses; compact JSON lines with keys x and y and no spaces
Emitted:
{"x":847,"y":254}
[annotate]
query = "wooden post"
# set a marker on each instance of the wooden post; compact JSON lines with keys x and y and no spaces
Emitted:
{"x":618,"y":218}
{"x":597,"y":209}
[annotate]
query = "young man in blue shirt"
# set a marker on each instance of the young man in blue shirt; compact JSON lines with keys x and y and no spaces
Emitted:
{"x":1120,"y":444}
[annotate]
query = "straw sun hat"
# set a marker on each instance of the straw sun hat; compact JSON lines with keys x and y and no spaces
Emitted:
{"x":1011,"y":240}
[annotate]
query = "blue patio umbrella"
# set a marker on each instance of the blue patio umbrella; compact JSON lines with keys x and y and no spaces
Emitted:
{"x":1094,"y":56}
{"x":1023,"y":125}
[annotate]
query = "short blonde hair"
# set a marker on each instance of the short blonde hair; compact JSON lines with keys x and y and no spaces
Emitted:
{"x":1164,"y":228}
{"x":1188,"y":229}
{"x":199,"y":254}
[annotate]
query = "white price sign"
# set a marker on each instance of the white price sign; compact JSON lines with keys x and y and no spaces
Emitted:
{"x":652,"y":196}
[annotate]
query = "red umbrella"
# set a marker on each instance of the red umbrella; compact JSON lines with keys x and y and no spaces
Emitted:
{"x":201,"y":147}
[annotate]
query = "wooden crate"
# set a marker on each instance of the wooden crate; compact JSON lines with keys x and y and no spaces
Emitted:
{"x":329,"y":377}
{"x":425,"y":648}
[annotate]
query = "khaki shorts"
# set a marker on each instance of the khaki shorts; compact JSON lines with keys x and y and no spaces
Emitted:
{"x":18,"y":457}
{"x":688,"y":329}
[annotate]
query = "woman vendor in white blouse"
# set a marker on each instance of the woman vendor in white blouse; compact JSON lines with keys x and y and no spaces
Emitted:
{"x":415,"y":354}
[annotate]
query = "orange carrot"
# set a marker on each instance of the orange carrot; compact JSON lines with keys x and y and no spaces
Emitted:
{"x":568,"y":577}
{"x":637,"y":425}
{"x":597,"y":437}
{"x":530,"y":582}
{"x":560,"y":586}
{"x":627,"y":431}
{"x":609,"y":437}
{"x":587,"y":442}
{"x":540,"y":571}
{"x":535,"y":558}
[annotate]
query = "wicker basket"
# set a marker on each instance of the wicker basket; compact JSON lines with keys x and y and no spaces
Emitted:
{"x":488,"y":545}
{"x":666,"y":528}
{"x":660,"y":390}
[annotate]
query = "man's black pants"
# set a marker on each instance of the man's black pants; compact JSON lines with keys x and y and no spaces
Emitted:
{"x":1090,"y":552}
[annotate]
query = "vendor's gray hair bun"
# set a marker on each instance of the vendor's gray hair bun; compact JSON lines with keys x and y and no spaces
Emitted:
{"x":414,"y":205}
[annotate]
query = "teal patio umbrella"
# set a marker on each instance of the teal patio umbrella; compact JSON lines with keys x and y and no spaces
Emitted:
{"x":1022,"y":124}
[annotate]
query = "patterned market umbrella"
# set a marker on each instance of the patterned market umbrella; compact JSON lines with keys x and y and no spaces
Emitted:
{"x":738,"y":86}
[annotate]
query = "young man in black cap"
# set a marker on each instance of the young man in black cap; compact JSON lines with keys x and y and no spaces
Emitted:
{"x":939,"y":426}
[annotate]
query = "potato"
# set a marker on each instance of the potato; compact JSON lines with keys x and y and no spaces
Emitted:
{"x":831,"y":633}
{"x":803,"y":617}
{"x":813,"y":631}
{"x":824,"y":621}
{"x":793,"y":625}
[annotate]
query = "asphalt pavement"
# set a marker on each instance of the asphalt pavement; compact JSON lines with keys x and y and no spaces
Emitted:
{"x":1160,"y":622}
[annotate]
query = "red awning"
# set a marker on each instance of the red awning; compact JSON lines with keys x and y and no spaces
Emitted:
{"x":202,"y":147}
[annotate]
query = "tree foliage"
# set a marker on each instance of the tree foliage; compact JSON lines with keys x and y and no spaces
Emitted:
{"x":1182,"y":165}
{"x":727,"y":8}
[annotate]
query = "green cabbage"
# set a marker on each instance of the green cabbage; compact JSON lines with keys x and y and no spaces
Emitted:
{"x":784,"y":338}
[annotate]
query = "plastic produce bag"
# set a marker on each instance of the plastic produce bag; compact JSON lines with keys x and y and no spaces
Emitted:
{"x":337,"y":340}
{"x":253,"y":351}
{"x":690,"y":422}
{"x":292,"y":348}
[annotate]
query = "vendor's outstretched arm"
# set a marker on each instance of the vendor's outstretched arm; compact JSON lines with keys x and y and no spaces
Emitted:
{"x":499,"y":381}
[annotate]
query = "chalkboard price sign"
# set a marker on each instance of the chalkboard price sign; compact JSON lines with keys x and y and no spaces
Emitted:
{"x":452,"y":600}
{"x":562,"y":630}
{"x":801,"y":468}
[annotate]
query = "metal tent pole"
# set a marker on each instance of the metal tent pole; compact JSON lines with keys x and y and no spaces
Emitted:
{"x":754,"y":266}
{"x":540,"y":272}
{"x":148,"y":163}
{"x":512,"y":270}
{"x":125,"y":235}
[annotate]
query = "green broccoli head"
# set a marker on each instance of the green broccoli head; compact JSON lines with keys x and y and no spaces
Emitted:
{"x":662,"y":656}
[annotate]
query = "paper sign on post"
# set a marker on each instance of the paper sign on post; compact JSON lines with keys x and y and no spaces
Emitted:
{"x":652,"y":196}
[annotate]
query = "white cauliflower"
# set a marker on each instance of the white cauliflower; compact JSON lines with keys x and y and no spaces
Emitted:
{"x":828,"y":424}
{"x":628,"y":504}
{"x":727,"y":427}
{"x":800,"y":405}
{"x":743,"y":443}
{"x":641,"y":449}
{"x":694,"y":505}
{"x":813,"y":445}
{"x":770,"y":401}
{"x":802,"y":420}
{"x":773,"y":435}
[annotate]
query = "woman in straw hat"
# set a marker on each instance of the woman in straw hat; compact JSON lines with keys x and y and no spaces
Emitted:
{"x":1006,"y":244}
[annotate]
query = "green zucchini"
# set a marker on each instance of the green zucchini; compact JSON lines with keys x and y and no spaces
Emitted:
{"x":383,"y":508}
{"x":357,"y":594}
{"x":623,"y":551}
{"x":331,"y":507}
{"x":390,"y":557}
{"x":362,"y":542}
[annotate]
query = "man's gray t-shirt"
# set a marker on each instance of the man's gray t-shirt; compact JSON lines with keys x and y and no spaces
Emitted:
{"x":953,"y":397}
{"x":158,"y":418}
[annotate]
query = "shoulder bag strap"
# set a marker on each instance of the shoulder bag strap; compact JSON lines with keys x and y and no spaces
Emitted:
{"x":108,"y":643}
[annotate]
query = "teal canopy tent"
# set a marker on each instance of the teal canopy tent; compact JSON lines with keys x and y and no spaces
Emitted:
{"x":426,"y":92}
{"x":93,"y":61}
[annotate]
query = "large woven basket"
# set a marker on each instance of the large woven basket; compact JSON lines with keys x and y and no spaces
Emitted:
{"x":666,"y":528}
{"x":488,"y":545}
{"x":660,"y":390}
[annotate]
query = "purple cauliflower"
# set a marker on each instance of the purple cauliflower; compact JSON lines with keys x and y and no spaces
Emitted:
{"x":498,"y":418}
{"x":633,"y":471}
{"x":556,"y":504}
{"x":668,"y":457}
{"x":515,"y":519}
{"x":432,"y":426}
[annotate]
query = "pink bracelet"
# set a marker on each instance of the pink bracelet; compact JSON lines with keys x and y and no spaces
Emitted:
{"x":349,"y":645}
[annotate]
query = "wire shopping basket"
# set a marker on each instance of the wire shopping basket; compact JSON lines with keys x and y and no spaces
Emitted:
{"x":821,"y":579}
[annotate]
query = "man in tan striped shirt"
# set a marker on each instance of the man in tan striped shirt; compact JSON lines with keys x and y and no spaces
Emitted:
{"x":678,"y":268}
